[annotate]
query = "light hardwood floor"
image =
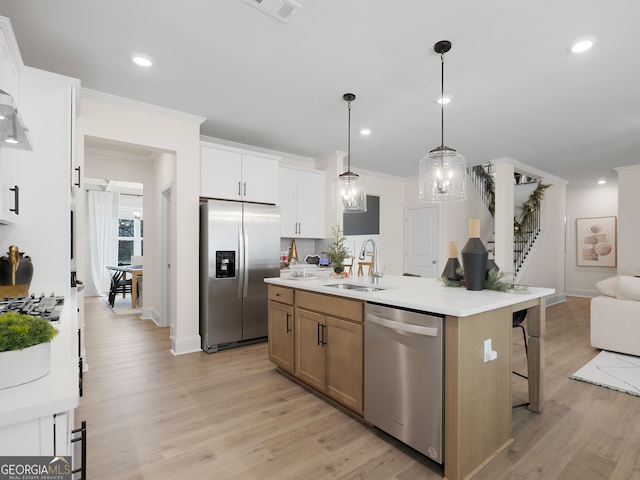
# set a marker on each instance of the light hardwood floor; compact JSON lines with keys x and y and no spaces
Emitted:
{"x":231,"y":415}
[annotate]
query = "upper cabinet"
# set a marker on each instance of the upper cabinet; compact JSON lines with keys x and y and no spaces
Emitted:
{"x":235,"y":175}
{"x":9,"y":185}
{"x":301,"y":201}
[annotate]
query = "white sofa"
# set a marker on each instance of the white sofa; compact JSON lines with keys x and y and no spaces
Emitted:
{"x":615,"y":315}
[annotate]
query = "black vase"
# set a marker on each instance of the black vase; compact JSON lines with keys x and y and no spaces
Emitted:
{"x":24,"y":270}
{"x":450,"y":270}
{"x":491,"y":265}
{"x":474,"y":262}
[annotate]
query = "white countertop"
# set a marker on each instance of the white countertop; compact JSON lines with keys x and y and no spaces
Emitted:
{"x":56,"y":392}
{"x":423,"y":294}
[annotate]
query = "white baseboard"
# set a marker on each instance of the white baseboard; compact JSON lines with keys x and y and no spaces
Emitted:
{"x":154,"y":316}
{"x":577,"y":292}
{"x":556,"y":298}
{"x":180,"y":346}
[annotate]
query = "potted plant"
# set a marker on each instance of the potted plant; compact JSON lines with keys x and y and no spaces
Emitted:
{"x":337,"y":252}
{"x":25,"y":351}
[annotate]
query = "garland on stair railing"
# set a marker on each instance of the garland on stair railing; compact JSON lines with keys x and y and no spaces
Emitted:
{"x":528,"y":216}
{"x":489,"y":187}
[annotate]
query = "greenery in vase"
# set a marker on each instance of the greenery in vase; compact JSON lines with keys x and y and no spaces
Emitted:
{"x":337,"y":252}
{"x":18,"y":331}
{"x":495,"y":280}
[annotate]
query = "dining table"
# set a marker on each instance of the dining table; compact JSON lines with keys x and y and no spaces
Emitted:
{"x":135,"y":271}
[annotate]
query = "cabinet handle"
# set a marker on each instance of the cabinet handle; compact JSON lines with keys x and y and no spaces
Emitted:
{"x":288,"y":329}
{"x":319,"y":340}
{"x":245,"y":189}
{"x":324,"y":338}
{"x":77,"y":169}
{"x":16,"y":196}
{"x":239,"y":190}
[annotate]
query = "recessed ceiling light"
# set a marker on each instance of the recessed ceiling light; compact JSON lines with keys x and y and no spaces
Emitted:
{"x":141,"y":60}
{"x":365,"y":131}
{"x":583,"y":44}
{"x":444,"y":100}
{"x":602,"y":182}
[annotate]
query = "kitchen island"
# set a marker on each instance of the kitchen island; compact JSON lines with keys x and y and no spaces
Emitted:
{"x":477,"y":393}
{"x":37,"y":418}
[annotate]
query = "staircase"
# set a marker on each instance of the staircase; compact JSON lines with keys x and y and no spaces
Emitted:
{"x":527,"y":228}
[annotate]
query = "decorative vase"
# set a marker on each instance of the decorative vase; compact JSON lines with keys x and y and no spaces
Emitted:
{"x":450,"y":269}
{"x":15,"y":268}
{"x":474,"y":258}
{"x":338,"y":268}
{"x":23,"y":366}
{"x":491,"y":265}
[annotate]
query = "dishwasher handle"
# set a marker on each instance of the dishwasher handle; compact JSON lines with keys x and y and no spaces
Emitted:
{"x":403,"y":327}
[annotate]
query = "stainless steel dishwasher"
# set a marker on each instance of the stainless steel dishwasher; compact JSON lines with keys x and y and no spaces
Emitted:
{"x":403,"y":376}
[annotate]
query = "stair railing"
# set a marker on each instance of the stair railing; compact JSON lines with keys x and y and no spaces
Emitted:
{"x":524,"y":239}
{"x":481,"y":177}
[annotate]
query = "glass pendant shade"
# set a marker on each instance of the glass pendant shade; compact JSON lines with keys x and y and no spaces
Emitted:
{"x":442,"y":176}
{"x":349,"y":193}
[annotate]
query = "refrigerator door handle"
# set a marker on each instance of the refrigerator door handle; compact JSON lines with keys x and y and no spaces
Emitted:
{"x":240,"y":267}
{"x":245,"y":263}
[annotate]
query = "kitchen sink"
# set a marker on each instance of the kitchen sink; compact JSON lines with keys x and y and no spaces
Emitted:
{"x":355,"y":287}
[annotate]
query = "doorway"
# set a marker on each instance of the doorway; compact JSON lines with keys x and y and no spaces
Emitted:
{"x":421,"y":239}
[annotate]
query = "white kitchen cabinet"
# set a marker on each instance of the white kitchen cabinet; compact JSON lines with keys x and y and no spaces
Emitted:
{"x":9,"y":186}
{"x":9,"y":189}
{"x":235,"y":175}
{"x":301,"y":201}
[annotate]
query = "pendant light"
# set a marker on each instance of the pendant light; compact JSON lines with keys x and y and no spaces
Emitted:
{"x":443,"y":171}
{"x":348,"y":190}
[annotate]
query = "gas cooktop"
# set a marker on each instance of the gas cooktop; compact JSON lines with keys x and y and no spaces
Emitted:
{"x":48,"y":307}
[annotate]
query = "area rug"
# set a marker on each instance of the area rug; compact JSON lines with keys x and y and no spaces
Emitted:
{"x":612,"y":370}
{"x":121,"y":306}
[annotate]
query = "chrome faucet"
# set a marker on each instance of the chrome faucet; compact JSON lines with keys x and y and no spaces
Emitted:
{"x":376,"y":275}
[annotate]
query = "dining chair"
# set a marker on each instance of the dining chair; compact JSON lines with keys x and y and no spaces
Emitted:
{"x":118,"y":285}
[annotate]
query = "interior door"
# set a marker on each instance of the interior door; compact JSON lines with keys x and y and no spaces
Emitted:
{"x":421,"y":241}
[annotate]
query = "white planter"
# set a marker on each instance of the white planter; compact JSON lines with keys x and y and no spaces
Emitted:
{"x":18,"y":367}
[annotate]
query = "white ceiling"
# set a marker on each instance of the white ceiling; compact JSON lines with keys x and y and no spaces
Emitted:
{"x":517,"y":90}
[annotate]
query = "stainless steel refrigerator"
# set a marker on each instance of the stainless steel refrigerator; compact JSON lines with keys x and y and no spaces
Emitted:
{"x":239,"y":247}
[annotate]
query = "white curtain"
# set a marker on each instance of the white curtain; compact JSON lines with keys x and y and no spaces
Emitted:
{"x":103,"y":237}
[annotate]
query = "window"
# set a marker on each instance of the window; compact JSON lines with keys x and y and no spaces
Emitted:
{"x":130,"y":232}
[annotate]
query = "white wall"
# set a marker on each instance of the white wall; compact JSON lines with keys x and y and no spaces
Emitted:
{"x":629,"y":218}
{"x":178,"y":134}
{"x":591,"y":202}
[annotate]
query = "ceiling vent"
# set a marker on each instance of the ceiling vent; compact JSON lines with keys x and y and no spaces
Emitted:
{"x":283,"y":10}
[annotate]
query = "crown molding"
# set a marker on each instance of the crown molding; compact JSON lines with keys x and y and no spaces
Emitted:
{"x":143,"y":107}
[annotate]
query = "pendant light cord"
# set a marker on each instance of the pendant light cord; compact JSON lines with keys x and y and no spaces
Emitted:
{"x":442,"y":99}
{"x":349,"y":139}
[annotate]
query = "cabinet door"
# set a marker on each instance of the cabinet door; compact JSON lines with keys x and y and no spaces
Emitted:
{"x":220,"y":174}
{"x":344,"y":363}
{"x":259,"y":179}
{"x":287,"y":200}
{"x":281,"y":335}
{"x":309,"y":358}
{"x":310,"y":205}
{"x":8,"y":69}
{"x":8,"y":182}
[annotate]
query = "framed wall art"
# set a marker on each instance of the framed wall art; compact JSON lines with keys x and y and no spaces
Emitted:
{"x":596,"y":242}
